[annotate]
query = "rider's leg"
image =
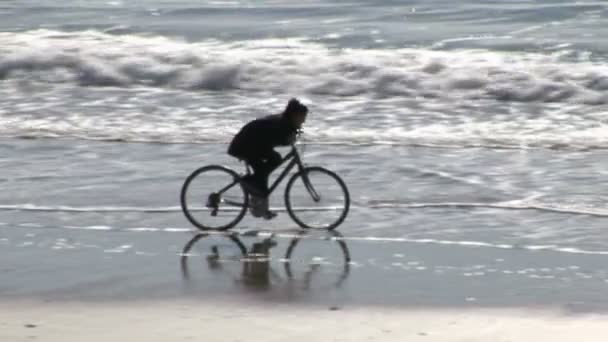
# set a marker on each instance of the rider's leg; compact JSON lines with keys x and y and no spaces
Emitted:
{"x":263,"y":167}
{"x":261,"y":170}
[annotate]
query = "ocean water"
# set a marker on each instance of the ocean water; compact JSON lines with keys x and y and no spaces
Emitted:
{"x":469,"y":132}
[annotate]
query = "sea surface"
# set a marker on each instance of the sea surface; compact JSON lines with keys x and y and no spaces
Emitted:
{"x":472,"y":135}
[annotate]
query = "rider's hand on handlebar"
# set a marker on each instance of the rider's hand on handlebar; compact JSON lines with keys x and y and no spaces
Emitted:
{"x":295,"y":136}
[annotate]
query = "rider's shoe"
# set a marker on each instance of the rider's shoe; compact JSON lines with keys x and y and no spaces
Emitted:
{"x":269,"y":215}
{"x":256,"y":206}
{"x":259,"y":208}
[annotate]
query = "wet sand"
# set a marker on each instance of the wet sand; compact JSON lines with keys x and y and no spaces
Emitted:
{"x":317,"y":269}
{"x":308,"y":286}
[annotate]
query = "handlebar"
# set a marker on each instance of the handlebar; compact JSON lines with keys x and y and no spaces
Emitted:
{"x":299,"y":132}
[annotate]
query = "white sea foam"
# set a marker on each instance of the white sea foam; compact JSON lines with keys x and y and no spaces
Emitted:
{"x":565,"y":208}
{"x":94,"y":58}
{"x":288,"y":234}
{"x":200,"y":92}
{"x":508,"y":205}
{"x":74,"y":209}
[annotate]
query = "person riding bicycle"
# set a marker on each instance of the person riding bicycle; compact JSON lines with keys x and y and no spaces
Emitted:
{"x":255,"y":144}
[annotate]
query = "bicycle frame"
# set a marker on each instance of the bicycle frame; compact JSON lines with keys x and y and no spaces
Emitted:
{"x":294,"y":159}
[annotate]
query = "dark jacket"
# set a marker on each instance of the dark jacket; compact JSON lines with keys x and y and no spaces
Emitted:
{"x":258,"y":138}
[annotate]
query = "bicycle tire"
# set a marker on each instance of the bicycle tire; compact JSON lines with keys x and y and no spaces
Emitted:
{"x":187,"y":211}
{"x":291,"y":210}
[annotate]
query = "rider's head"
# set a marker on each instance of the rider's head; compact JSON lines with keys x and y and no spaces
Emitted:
{"x":295,"y":113}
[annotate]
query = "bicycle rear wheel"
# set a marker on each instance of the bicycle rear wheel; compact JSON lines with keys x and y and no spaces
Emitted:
{"x":317,"y":198}
{"x":212,"y":199}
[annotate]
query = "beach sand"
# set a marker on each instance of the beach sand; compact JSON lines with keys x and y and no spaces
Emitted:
{"x":178,"y":320}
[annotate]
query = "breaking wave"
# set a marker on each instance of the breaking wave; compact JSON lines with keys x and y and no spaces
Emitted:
{"x":93,"y":58}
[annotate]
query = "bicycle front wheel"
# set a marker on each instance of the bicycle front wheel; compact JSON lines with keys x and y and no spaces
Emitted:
{"x":212,"y":199}
{"x":317,"y":198}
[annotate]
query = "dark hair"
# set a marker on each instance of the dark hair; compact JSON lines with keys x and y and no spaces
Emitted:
{"x":295,"y":106}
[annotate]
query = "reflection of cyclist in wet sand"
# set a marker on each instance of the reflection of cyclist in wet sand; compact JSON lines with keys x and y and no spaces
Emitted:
{"x":257,"y":271}
{"x":255,"y":144}
{"x":256,"y":267}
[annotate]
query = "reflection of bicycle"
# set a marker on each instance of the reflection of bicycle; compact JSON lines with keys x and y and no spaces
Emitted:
{"x":256,"y":268}
{"x":213,"y":197}
{"x":291,"y":267}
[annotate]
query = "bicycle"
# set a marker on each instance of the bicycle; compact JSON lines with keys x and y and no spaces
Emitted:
{"x":213,"y":197}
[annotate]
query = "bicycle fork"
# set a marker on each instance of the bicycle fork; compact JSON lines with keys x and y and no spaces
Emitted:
{"x":311,"y":190}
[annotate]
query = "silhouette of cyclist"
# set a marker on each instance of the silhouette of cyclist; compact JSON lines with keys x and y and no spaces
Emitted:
{"x":255,"y":144}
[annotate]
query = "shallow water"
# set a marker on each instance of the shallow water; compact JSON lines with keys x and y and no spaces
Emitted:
{"x":440,"y":235}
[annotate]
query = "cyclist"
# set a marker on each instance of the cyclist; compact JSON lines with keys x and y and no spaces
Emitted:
{"x":255,"y":144}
